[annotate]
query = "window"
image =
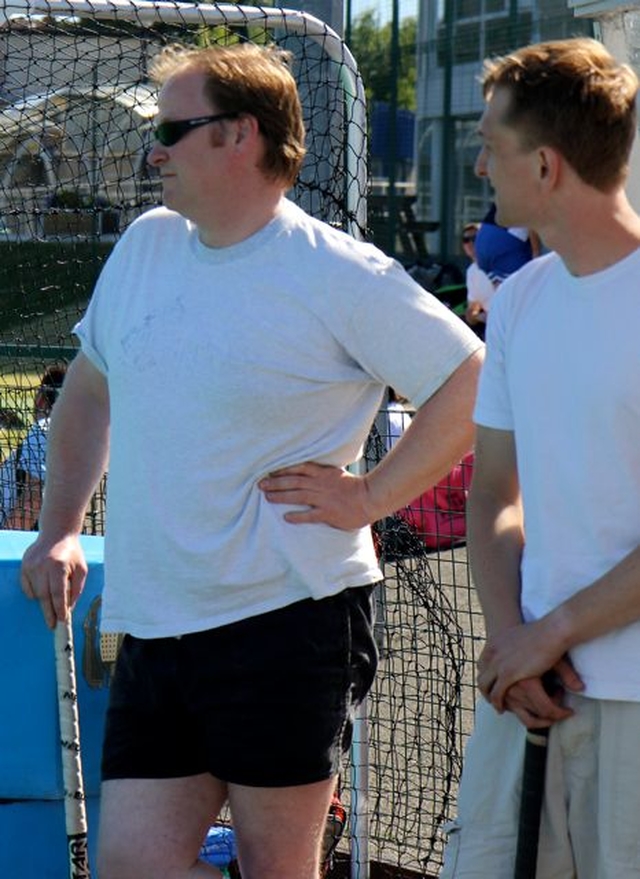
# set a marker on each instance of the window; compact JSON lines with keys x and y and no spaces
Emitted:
{"x":469,"y":9}
{"x":477,"y":37}
{"x":478,"y":8}
{"x":503,"y":34}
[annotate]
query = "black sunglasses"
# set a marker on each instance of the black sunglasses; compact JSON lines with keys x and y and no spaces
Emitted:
{"x":169,"y":133}
{"x":468,"y":238}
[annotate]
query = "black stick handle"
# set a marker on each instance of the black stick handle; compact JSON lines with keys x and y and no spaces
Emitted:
{"x":533,"y":778}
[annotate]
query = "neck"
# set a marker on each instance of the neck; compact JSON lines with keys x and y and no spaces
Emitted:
{"x":242,"y":219}
{"x":595,"y":232}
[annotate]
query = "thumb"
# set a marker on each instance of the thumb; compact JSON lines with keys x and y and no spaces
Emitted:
{"x":568,"y":676}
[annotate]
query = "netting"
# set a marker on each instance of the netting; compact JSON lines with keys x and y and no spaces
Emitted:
{"x":74,"y":132}
{"x":75,"y":126}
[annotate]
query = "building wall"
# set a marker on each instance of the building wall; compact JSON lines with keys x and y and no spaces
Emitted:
{"x":620,"y":32}
{"x":453,"y":40}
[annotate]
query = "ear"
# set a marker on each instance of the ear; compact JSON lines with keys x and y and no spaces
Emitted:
{"x":247,"y":130}
{"x":549,"y":166}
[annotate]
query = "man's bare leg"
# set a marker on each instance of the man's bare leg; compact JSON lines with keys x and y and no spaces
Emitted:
{"x":279,"y":831}
{"x":155,"y":828}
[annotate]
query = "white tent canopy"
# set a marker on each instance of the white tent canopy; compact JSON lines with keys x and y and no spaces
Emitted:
{"x":75,"y":147}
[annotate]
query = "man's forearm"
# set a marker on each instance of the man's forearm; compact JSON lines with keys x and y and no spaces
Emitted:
{"x":75,"y":464}
{"x":439,"y":435}
{"x":609,"y":603}
{"x":77,"y":456}
{"x":496,"y":540}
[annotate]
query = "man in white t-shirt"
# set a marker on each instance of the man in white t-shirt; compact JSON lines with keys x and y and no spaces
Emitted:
{"x":234,"y":356}
{"x":554,"y":510}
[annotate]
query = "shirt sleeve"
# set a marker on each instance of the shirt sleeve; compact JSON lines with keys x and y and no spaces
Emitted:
{"x":404,"y":337}
{"x":493,"y":402}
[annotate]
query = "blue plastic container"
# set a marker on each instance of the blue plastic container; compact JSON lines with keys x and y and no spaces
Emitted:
{"x":219,"y":847}
{"x":33,"y":841}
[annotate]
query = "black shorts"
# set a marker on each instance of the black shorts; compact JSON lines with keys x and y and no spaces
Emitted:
{"x":266,"y":702}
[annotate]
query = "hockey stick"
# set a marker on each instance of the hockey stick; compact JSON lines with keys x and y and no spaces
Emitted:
{"x":533,"y":779}
{"x":74,"y":801}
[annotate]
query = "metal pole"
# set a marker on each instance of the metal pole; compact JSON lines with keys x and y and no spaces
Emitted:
{"x":359,"y":842}
{"x":447,"y":135}
{"x":360,"y":866}
{"x":513,"y":24}
{"x":392,"y":131}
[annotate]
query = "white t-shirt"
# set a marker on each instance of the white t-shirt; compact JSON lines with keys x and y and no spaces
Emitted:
{"x":397,"y":421}
{"x":224,"y":365}
{"x":563,"y":372}
{"x":33,"y":453}
{"x":480,"y":287}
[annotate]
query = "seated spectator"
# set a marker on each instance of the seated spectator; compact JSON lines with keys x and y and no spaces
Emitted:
{"x":480,"y":288}
{"x":397,"y":418}
{"x":498,"y":252}
{"x":501,"y":251}
{"x":23,"y":473}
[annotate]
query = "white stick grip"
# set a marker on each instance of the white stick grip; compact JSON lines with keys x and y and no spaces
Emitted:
{"x":74,"y":800}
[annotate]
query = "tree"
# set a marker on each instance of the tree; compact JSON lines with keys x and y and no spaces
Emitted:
{"x":371,"y":47}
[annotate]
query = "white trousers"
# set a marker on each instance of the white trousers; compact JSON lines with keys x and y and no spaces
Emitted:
{"x":590,"y":826}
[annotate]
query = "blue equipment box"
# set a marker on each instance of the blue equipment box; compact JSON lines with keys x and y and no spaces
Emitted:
{"x":32,"y":826}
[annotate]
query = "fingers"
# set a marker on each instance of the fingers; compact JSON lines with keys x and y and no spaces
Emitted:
{"x":514,"y":653}
{"x":42,"y":594}
{"x":533,"y":706}
{"x":326,"y":494}
{"x":288,"y":489}
{"x":284,"y":486}
{"x":568,"y":676}
{"x":58,"y":600}
{"x":54,"y":577}
{"x":491,"y":685}
{"x":26,"y":584}
{"x":497,"y":684}
{"x":76,"y":578}
{"x":486,"y":681}
{"x":306,"y":468}
{"x":533,"y":720}
{"x":528,"y":719}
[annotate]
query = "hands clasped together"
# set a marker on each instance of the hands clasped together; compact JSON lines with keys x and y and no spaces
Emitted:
{"x":520,"y":670}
